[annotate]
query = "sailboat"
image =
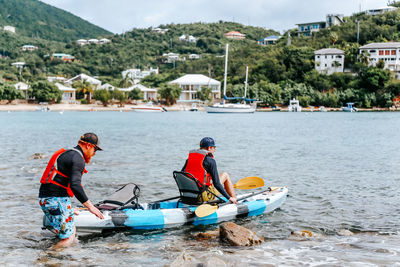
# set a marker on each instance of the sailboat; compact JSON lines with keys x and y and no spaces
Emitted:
{"x":223,"y":107}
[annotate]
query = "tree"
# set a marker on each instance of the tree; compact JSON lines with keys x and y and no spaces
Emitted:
{"x":83,"y":88}
{"x":205,"y":94}
{"x":44,"y":91}
{"x":170,"y":92}
{"x":103,"y":95}
{"x":10,"y":93}
{"x":136,"y":94}
{"x":120,"y":96}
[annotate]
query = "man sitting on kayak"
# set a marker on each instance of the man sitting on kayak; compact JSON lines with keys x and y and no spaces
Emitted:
{"x":202,"y":165}
{"x":62,"y":180}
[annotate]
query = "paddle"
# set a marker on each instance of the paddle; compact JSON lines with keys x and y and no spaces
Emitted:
{"x":250,"y":182}
{"x":207,"y":209}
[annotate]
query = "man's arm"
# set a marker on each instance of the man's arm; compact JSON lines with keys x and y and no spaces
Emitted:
{"x":211,"y":167}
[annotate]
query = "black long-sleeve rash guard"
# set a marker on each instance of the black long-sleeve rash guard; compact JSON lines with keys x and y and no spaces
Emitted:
{"x":210,"y":165}
{"x":72,"y":164}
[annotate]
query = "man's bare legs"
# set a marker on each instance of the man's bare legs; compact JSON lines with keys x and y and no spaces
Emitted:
{"x":226,"y":181}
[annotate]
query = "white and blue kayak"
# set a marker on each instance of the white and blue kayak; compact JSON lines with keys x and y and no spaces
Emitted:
{"x":169,"y":214}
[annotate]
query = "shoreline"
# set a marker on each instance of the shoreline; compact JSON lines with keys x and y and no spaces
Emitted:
{"x":129,"y":107}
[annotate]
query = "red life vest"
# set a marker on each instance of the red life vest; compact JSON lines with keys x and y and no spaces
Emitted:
{"x":51,"y":171}
{"x":194,"y":166}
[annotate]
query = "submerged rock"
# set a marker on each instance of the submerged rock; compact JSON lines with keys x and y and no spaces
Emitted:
{"x":237,"y":235}
{"x":207,"y":235}
{"x":345,"y":232}
{"x":37,"y":156}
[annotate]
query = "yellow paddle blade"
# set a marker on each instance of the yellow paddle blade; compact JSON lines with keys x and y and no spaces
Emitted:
{"x":205,"y":210}
{"x":250,"y":182}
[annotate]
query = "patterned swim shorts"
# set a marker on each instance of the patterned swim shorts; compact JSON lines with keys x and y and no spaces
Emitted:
{"x":209,"y":194}
{"x":60,"y":214}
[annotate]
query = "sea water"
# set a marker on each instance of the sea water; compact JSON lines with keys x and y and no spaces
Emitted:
{"x":342,"y":171}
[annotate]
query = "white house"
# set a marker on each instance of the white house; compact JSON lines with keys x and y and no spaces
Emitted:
{"x":137,"y":74}
{"x":192,"y":83}
{"x":194,"y":56}
{"x":93,"y":41}
{"x":329,"y":60}
{"x":69,"y":93}
{"x":387,"y":52}
{"x":272,"y":39}
{"x":104,"y":41}
{"x":171,"y":57}
{"x":59,"y":79}
{"x":9,"y":28}
{"x":378,"y":11}
{"x":107,"y":86}
{"x":306,"y":29}
{"x":148,"y":93}
{"x":235,"y":35}
{"x":23,"y":87}
{"x":82,"y":42}
{"x":159,"y":30}
{"x":191,"y":39}
{"x":29,"y":47}
{"x":182,"y":38}
{"x":83,"y":77}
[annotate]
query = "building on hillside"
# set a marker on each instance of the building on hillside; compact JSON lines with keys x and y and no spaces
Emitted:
{"x":136,"y":74}
{"x":63,"y":57}
{"x":22,"y":87}
{"x":9,"y":28}
{"x":272,"y":39}
{"x":58,"y":79}
{"x":329,"y":60}
{"x":192,"y":83}
{"x":235,"y":35}
{"x":182,"y":38}
{"x":159,"y":30}
{"x":93,"y":41}
{"x":29,"y":47}
{"x":171,"y":57}
{"x":148,"y":93}
{"x":68,"y":93}
{"x":386,"y":52}
{"x":191,"y":39}
{"x":378,"y":11}
{"x":107,"y":86}
{"x":104,"y":41}
{"x":85,"y":78}
{"x":82,"y":42}
{"x":194,"y":56}
{"x":306,"y":29}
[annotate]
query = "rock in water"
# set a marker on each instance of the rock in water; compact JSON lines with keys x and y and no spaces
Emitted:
{"x":37,"y":156}
{"x":237,"y":235}
{"x":207,"y":235}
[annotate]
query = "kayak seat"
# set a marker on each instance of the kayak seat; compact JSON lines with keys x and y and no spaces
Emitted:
{"x":190,"y":189}
{"x":127,"y":194}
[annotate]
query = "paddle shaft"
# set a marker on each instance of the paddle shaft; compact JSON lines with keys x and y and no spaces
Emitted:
{"x":239,"y":199}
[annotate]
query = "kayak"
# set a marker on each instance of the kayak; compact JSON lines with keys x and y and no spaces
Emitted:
{"x":170,"y":214}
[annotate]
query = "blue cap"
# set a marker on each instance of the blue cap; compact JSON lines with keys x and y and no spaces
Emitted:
{"x":206,"y":142}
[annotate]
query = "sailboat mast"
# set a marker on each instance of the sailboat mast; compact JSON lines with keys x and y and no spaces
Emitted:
{"x":245,"y":83}
{"x":226,"y":69}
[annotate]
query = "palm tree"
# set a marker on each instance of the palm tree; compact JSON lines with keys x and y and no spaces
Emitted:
{"x":84,"y":88}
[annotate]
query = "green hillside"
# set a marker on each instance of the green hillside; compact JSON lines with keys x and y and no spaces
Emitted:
{"x":36,"y":19}
{"x":277,"y":72}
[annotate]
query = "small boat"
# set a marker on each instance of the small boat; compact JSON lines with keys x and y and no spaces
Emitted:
{"x":322,"y":109}
{"x":194,"y":107}
{"x":171,"y":214}
{"x":294,"y":106}
{"x":223,"y":107}
{"x":349,"y":108}
{"x":149,"y":107}
{"x":43,"y":107}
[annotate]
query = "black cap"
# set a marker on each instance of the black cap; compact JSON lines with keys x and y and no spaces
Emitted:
{"x":206,"y":142}
{"x":92,"y":139}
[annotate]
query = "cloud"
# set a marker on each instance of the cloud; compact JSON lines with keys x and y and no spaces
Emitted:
{"x":122,"y":15}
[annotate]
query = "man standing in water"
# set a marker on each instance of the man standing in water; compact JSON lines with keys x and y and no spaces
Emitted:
{"x":62,"y":180}
{"x":202,"y":165}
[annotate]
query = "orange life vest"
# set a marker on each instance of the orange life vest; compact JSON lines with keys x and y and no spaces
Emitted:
{"x":51,"y":171}
{"x":194,"y":166}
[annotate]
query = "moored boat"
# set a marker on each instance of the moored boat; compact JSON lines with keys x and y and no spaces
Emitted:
{"x":349,"y":108}
{"x":169,"y":214}
{"x":149,"y":107}
{"x":294,"y":106}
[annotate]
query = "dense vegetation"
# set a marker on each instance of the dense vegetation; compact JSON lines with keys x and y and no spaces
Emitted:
{"x":277,"y":72}
{"x":33,"y":18}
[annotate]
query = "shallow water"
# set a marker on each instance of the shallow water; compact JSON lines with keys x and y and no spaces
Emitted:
{"x":342,"y":171}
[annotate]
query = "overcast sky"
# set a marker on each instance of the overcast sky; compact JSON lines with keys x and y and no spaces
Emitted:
{"x":122,"y":15}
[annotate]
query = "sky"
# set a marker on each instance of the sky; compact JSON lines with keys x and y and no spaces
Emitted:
{"x":119,"y":16}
